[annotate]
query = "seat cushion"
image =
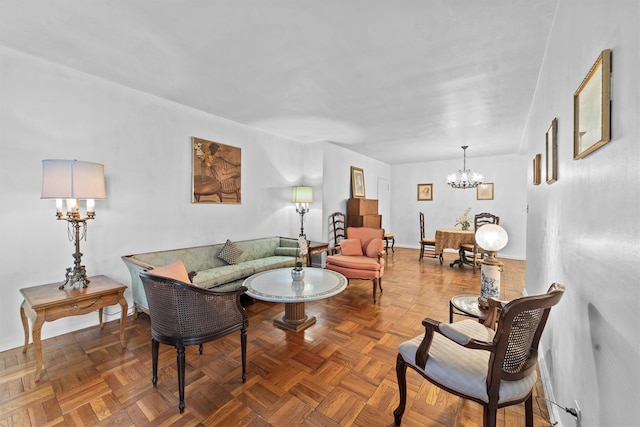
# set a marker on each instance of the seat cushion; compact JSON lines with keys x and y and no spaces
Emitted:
{"x":355,"y":262}
{"x":428,"y":241}
{"x":464,"y":370}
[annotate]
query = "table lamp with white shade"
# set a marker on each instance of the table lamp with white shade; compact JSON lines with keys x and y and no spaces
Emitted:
{"x":72,"y":181}
{"x":491,"y":238}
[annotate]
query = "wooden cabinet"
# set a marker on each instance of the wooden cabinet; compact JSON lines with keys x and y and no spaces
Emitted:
{"x":363,"y":213}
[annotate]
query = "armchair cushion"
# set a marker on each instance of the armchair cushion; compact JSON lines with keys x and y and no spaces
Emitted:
{"x":351,"y":247}
{"x":355,"y":262}
{"x":230,"y":252}
{"x":175,"y":270}
{"x":374,"y":247}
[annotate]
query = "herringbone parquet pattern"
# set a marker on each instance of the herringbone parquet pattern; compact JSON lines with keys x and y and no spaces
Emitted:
{"x":339,"y":372}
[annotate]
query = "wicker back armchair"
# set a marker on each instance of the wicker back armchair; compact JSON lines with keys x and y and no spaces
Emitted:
{"x":495,"y":368}
{"x":182,"y":314}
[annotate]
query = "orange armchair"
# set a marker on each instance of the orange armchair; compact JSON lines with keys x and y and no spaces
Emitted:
{"x":361,"y":256}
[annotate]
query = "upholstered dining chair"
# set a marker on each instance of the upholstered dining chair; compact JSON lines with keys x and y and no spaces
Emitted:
{"x":338,"y":230}
{"x":183,"y":314}
{"x":361,"y":256}
{"x":471,"y":254}
{"x":493,"y":367}
{"x":427,"y":242}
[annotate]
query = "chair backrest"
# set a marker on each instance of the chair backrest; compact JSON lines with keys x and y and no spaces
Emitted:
{"x":337,"y":227}
{"x":421,"y":226}
{"x":182,"y":313}
{"x":485,"y":218}
{"x":518,"y":334}
{"x":365,"y":234}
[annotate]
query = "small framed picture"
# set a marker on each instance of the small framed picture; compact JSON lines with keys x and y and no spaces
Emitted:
{"x":536,"y":169}
{"x":425,"y":192}
{"x":551,"y":163}
{"x":357,"y":183}
{"x":592,"y":108}
{"x":484,"y":191}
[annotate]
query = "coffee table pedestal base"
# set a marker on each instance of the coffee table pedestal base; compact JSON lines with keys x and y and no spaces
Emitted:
{"x":295,"y":319}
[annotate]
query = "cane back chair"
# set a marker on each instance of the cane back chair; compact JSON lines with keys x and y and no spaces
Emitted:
{"x":495,"y":368}
{"x":182,"y":315}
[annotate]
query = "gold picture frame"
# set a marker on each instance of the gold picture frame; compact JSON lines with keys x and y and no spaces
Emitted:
{"x":357,"y":183}
{"x":551,"y":162}
{"x":592,"y":108}
{"x":216,"y":172}
{"x":484,"y":191}
{"x":425,"y":192}
{"x":536,"y":169}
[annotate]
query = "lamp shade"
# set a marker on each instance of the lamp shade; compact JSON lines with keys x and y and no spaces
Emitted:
{"x":301,"y":194}
{"x":491,"y":237}
{"x":72,"y":179}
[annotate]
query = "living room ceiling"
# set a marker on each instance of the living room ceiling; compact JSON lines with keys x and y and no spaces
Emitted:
{"x":399,"y":81}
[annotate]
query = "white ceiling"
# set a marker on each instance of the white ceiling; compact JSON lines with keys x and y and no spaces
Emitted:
{"x":400,"y":81}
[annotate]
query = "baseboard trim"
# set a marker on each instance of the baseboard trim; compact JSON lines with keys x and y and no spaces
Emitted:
{"x":554,"y":415}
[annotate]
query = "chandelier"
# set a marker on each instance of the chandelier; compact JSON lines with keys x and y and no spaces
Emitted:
{"x":464,"y":178}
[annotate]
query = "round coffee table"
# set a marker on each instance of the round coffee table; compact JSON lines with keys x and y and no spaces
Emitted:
{"x":466,"y":305}
{"x":277,"y":286}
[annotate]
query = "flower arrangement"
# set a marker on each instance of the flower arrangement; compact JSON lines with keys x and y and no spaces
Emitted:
{"x":302,"y":251}
{"x":464,"y":220}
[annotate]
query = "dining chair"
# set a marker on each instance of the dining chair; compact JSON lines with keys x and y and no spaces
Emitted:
{"x":493,"y":364}
{"x":338,"y":230}
{"x":427,"y":242}
{"x":183,"y":314}
{"x":471,"y":253}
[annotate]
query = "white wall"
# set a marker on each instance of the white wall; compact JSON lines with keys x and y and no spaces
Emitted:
{"x":508,"y":173}
{"x":337,"y":179}
{"x":583,"y":230}
{"x":47,"y":111}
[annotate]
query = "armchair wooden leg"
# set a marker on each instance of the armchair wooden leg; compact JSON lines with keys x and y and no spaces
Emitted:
{"x":401,"y":373}
{"x":243,"y":346}
{"x":154,"y":361}
{"x":376,"y":283}
{"x":180,"y":359}
{"x":528,"y":411}
{"x":374,"y":290}
{"x":490,"y":415}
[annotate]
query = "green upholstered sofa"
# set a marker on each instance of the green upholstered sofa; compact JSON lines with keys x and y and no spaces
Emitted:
{"x":207,"y":270}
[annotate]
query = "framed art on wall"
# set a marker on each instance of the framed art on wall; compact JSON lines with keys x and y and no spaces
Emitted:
{"x":592,"y":108}
{"x":216,"y":172}
{"x":536,"y":169}
{"x":484,"y":191}
{"x":425,"y":192}
{"x":357,"y":183}
{"x":551,"y":162}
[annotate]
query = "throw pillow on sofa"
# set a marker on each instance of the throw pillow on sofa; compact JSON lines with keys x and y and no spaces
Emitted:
{"x":175,"y":270}
{"x":230,"y":252}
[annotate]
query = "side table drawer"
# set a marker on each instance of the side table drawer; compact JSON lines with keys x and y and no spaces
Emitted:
{"x":79,"y":307}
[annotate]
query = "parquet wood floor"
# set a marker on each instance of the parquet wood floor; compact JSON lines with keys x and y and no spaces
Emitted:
{"x":339,"y":372}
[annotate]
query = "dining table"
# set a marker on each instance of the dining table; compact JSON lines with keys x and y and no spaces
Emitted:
{"x":452,"y":238}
